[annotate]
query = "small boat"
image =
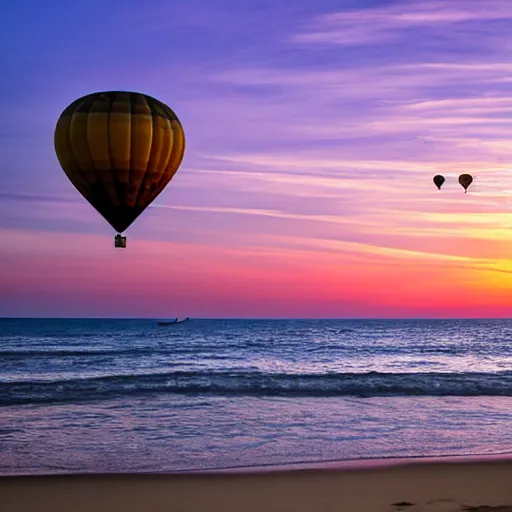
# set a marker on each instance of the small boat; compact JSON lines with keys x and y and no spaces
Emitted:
{"x":173,"y":322}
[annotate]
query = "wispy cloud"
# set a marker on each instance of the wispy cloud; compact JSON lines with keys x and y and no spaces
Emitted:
{"x":446,"y":19}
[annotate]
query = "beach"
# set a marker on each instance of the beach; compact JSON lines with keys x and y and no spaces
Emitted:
{"x":434,"y":486}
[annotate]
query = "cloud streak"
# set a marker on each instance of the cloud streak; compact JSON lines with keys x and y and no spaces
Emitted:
{"x":391,"y":23}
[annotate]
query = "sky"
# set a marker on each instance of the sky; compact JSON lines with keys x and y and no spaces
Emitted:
{"x":313,"y":130}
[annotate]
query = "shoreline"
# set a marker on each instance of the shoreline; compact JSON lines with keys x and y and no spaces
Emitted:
{"x":352,"y":464}
{"x":343,"y":465}
{"x":443,"y":485}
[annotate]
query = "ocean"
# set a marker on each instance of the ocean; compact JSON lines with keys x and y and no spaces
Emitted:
{"x":96,"y":396}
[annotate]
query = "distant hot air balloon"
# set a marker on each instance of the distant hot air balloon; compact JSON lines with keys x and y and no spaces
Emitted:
{"x":465,"y":180}
{"x":438,"y":181}
{"x":119,"y":149}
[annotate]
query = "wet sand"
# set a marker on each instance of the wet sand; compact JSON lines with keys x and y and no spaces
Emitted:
{"x":433,"y":486}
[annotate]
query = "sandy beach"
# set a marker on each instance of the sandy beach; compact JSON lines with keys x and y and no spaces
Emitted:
{"x":439,"y":486}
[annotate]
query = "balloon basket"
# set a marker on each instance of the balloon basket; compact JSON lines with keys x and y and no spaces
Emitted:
{"x":120,"y":241}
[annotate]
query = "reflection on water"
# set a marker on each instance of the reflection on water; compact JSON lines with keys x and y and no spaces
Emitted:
{"x":182,"y":433}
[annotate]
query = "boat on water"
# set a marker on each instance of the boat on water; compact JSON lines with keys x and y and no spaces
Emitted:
{"x":172,"y":322}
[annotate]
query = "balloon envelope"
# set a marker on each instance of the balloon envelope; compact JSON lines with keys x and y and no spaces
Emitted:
{"x":465,"y":180}
{"x":438,"y":181}
{"x":119,"y":149}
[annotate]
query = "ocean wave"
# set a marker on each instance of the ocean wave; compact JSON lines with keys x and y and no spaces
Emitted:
{"x":50,"y":352}
{"x":232,"y":348}
{"x":224,"y":383}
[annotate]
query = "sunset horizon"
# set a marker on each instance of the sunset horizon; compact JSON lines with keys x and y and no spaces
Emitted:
{"x":265,"y":318}
{"x":256,"y":256}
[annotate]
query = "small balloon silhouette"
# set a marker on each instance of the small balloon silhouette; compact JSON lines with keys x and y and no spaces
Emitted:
{"x":465,"y":180}
{"x":438,"y":181}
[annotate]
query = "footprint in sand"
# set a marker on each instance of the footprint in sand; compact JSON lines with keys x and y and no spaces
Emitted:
{"x":401,"y":505}
{"x":485,"y":508}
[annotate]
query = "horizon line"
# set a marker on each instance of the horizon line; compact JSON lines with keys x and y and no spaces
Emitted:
{"x":247,"y":318}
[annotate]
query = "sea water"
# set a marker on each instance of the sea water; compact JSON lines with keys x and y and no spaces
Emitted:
{"x":132,"y":396}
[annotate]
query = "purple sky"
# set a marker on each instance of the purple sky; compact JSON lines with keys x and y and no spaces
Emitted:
{"x":313,"y":128}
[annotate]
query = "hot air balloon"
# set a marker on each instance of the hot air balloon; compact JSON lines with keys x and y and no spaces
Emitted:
{"x":438,"y":181}
{"x":465,"y":180}
{"x":119,"y":149}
